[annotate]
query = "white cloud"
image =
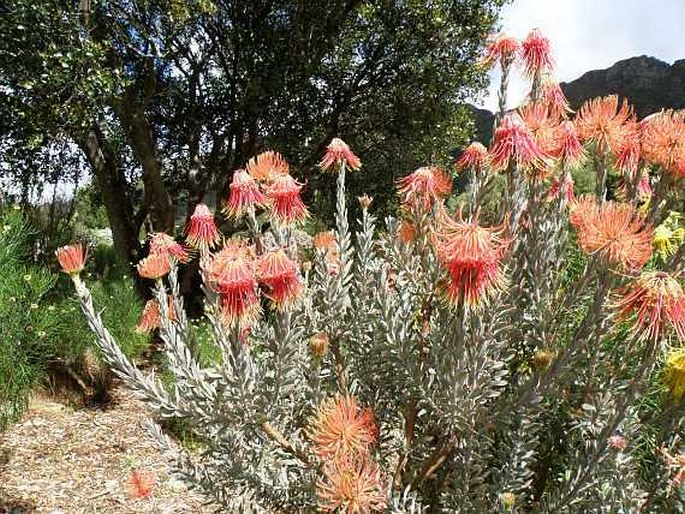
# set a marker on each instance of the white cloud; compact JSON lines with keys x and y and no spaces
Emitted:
{"x":594,"y":34}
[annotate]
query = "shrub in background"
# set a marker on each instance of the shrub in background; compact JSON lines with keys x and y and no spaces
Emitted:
{"x":522,"y":359}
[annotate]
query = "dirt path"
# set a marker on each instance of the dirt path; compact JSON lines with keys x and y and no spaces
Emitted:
{"x":58,"y":460}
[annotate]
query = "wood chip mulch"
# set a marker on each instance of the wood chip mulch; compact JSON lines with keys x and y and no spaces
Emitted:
{"x":61,"y":460}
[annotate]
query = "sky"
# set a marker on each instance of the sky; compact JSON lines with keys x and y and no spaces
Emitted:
{"x":593,"y":34}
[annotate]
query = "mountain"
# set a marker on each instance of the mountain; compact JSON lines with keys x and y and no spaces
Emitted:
{"x":648,"y":83}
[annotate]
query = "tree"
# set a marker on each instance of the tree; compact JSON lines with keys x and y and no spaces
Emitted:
{"x":164,"y":99}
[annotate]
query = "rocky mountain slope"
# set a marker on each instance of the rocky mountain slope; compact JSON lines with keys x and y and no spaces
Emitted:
{"x":648,"y":83}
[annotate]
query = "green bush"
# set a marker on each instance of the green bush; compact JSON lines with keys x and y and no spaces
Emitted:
{"x":41,"y":327}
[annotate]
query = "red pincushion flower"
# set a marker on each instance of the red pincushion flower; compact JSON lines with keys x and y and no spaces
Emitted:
{"x":279,"y":274}
{"x":267,"y":165}
{"x":286,"y":204}
{"x":351,"y":486}
{"x":663,"y":140}
{"x":424,"y":187}
{"x":338,"y":152}
{"x":151,"y":317}
{"x":231,"y":273}
{"x":555,"y":189}
{"x":71,"y":258}
{"x":201,"y":232}
{"x":566,"y":145}
{"x":472,"y":255}
{"x":340,"y":427}
{"x":155,"y":265}
{"x":601,"y":121}
{"x":501,"y":49}
{"x":536,"y":54}
{"x":628,"y":150}
{"x":514,"y":143}
{"x":167,"y":245}
{"x":614,"y":230}
{"x":554,"y":98}
{"x":655,"y":299}
{"x":536,"y":117}
{"x":140,"y":484}
{"x":244,"y":195}
{"x":475,"y":157}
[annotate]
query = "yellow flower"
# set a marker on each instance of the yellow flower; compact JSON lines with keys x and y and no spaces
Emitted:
{"x":34,"y":306}
{"x":669,"y":236}
{"x":674,"y":377}
{"x":27,"y":278}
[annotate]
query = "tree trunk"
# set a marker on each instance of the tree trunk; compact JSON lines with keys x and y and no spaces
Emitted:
{"x":140,"y":137}
{"x":112,"y":183}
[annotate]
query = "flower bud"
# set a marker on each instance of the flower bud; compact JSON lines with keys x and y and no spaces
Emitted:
{"x":365,"y":201}
{"x":318,"y":344}
{"x":542,"y":358}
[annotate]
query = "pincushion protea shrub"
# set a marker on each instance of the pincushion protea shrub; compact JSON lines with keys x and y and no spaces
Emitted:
{"x":522,"y":359}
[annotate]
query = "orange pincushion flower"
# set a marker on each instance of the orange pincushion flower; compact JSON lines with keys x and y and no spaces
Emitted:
{"x":244,"y":195}
{"x":151,"y":317}
{"x":566,"y":144}
{"x":614,"y":230}
{"x":475,"y":157}
{"x":424,"y":187}
{"x":501,"y":49}
{"x":601,"y":121}
{"x":325,"y":241}
{"x":231,"y":273}
{"x":536,"y":53}
{"x":407,"y":232}
{"x":554,"y":98}
{"x":655,"y":298}
{"x":472,"y":256}
{"x":155,"y":265}
{"x":536,"y":117}
{"x":514,"y":143}
{"x":266,"y":165}
{"x":167,"y":245}
{"x":663,"y":140}
{"x":340,"y":427}
{"x":279,"y":274}
{"x":140,"y":484}
{"x":287,"y":207}
{"x":351,"y":486}
{"x":71,"y":258}
{"x":338,"y":152}
{"x":628,"y":150}
{"x":201,"y":232}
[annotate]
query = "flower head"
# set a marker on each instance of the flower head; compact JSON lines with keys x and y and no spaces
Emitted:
{"x":267,"y":165}
{"x":536,"y":54}
{"x":155,"y":265}
{"x":555,"y":189}
{"x":536,"y":117}
{"x":365,"y":201}
{"x":472,"y":256}
{"x":663,"y":139}
{"x":287,"y":207}
{"x":554,"y":98}
{"x":566,"y":145}
{"x":318,"y":344}
{"x":618,"y":442}
{"x":601,"y":121}
{"x":151,"y":317}
{"x":325,"y":241}
{"x":279,"y":274}
{"x":201,"y":232}
{"x":501,"y":49}
{"x":674,"y":375}
{"x":424,"y":187}
{"x":406,"y":232}
{"x":244,"y":195}
{"x":655,"y":298}
{"x":613,"y":230}
{"x":71,"y":258}
{"x":340,"y":427}
{"x":352,"y":486}
{"x":231,"y":273}
{"x":628,"y":149}
{"x":475,"y":157}
{"x":338,"y":153}
{"x":669,"y":236}
{"x":140,"y":484}
{"x":514,"y":143}
{"x":167,"y":245}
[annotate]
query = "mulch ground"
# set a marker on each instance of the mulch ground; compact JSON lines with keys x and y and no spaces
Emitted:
{"x":61,"y":460}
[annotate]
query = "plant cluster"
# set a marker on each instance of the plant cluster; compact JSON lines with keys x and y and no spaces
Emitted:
{"x":524,"y":358}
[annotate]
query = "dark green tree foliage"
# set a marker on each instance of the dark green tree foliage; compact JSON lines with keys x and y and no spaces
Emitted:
{"x":161,"y":99}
